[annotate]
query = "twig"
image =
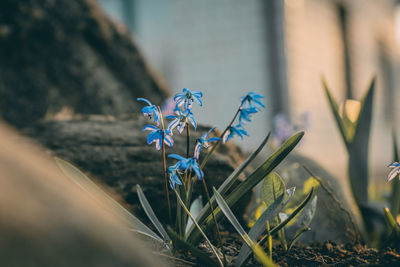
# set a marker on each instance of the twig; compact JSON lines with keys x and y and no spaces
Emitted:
{"x":357,"y":238}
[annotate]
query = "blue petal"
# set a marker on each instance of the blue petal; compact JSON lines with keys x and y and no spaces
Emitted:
{"x":168,"y":140}
{"x":150,"y":128}
{"x":213,"y":139}
{"x":192,"y":120}
{"x":176,"y":156}
{"x":197,"y":150}
{"x":145,"y":100}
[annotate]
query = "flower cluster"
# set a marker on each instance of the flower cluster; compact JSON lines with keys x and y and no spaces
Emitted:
{"x":182,"y":107}
{"x":249,"y":104}
{"x":156,"y":135}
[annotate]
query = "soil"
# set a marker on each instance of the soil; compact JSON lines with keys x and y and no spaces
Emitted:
{"x":314,"y":254}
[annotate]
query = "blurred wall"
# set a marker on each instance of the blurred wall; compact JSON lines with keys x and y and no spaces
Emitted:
{"x":226,"y":48}
{"x":316,"y":47}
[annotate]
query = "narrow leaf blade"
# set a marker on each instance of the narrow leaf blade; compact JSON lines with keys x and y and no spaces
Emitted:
{"x":232,"y":178}
{"x":258,"y":251}
{"x":152,"y":216}
{"x":195,"y":209}
{"x":198,"y":227}
{"x":205,"y":219}
{"x":182,"y":244}
{"x":229,"y":214}
{"x":298,"y":234}
{"x":89,"y":186}
{"x":335,"y":111}
{"x":261,"y":224}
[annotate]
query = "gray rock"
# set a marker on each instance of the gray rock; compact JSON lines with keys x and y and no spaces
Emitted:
{"x":115,"y":152}
{"x":50,"y":58}
{"x":331,"y":222}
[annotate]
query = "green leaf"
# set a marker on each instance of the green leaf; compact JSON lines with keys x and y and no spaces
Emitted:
{"x":335,"y":111}
{"x":359,"y":149}
{"x":233,"y":177}
{"x":198,"y":227}
{"x":152,"y":216}
{"x":308,"y":213}
{"x":185,"y":246}
{"x":98,"y":194}
{"x":229,"y":214}
{"x":258,"y":252}
{"x":298,"y":234}
{"x":390,"y":220}
{"x":305,"y":220}
{"x":261,"y":224}
{"x":205,"y":219}
{"x":272,"y":187}
{"x":363,"y":124}
{"x":195,"y":209}
{"x":395,"y":197}
{"x":291,"y":216}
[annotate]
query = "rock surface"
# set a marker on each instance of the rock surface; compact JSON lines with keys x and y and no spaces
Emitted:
{"x":331,"y":220}
{"x":115,"y":151}
{"x":50,"y":58}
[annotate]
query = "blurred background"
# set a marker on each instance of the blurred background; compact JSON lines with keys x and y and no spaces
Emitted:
{"x":280,"y":49}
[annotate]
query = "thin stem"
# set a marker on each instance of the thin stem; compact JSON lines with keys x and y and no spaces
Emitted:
{"x":166,"y":181}
{"x":187,"y":140}
{"x":356,"y":235}
{"x":203,"y":163}
{"x":215,"y":220}
{"x":165,"y":166}
{"x":269,"y":240}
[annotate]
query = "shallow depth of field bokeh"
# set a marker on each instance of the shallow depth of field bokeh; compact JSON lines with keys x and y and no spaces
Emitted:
{"x":281,"y":49}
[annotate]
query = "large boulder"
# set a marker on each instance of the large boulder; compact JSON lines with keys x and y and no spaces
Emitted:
{"x":333,"y":219}
{"x":68,"y":53}
{"x":46,"y":220}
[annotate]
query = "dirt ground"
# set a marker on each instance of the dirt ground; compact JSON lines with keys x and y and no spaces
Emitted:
{"x":316,"y":254}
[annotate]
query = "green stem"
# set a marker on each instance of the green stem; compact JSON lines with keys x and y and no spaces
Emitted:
{"x":187,"y":140}
{"x":215,"y":220}
{"x":203,"y":163}
{"x":165,"y":166}
{"x":166,"y":181}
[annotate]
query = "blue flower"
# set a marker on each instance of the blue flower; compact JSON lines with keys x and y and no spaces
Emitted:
{"x":396,"y":170}
{"x":253,"y":100}
{"x":150,"y":111}
{"x":244,"y":115}
{"x":173,"y":176}
{"x":157,"y":136}
{"x":187,"y":97}
{"x":181,"y":120}
{"x":185,"y":164}
{"x":204,"y":142}
{"x":232,"y":131}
